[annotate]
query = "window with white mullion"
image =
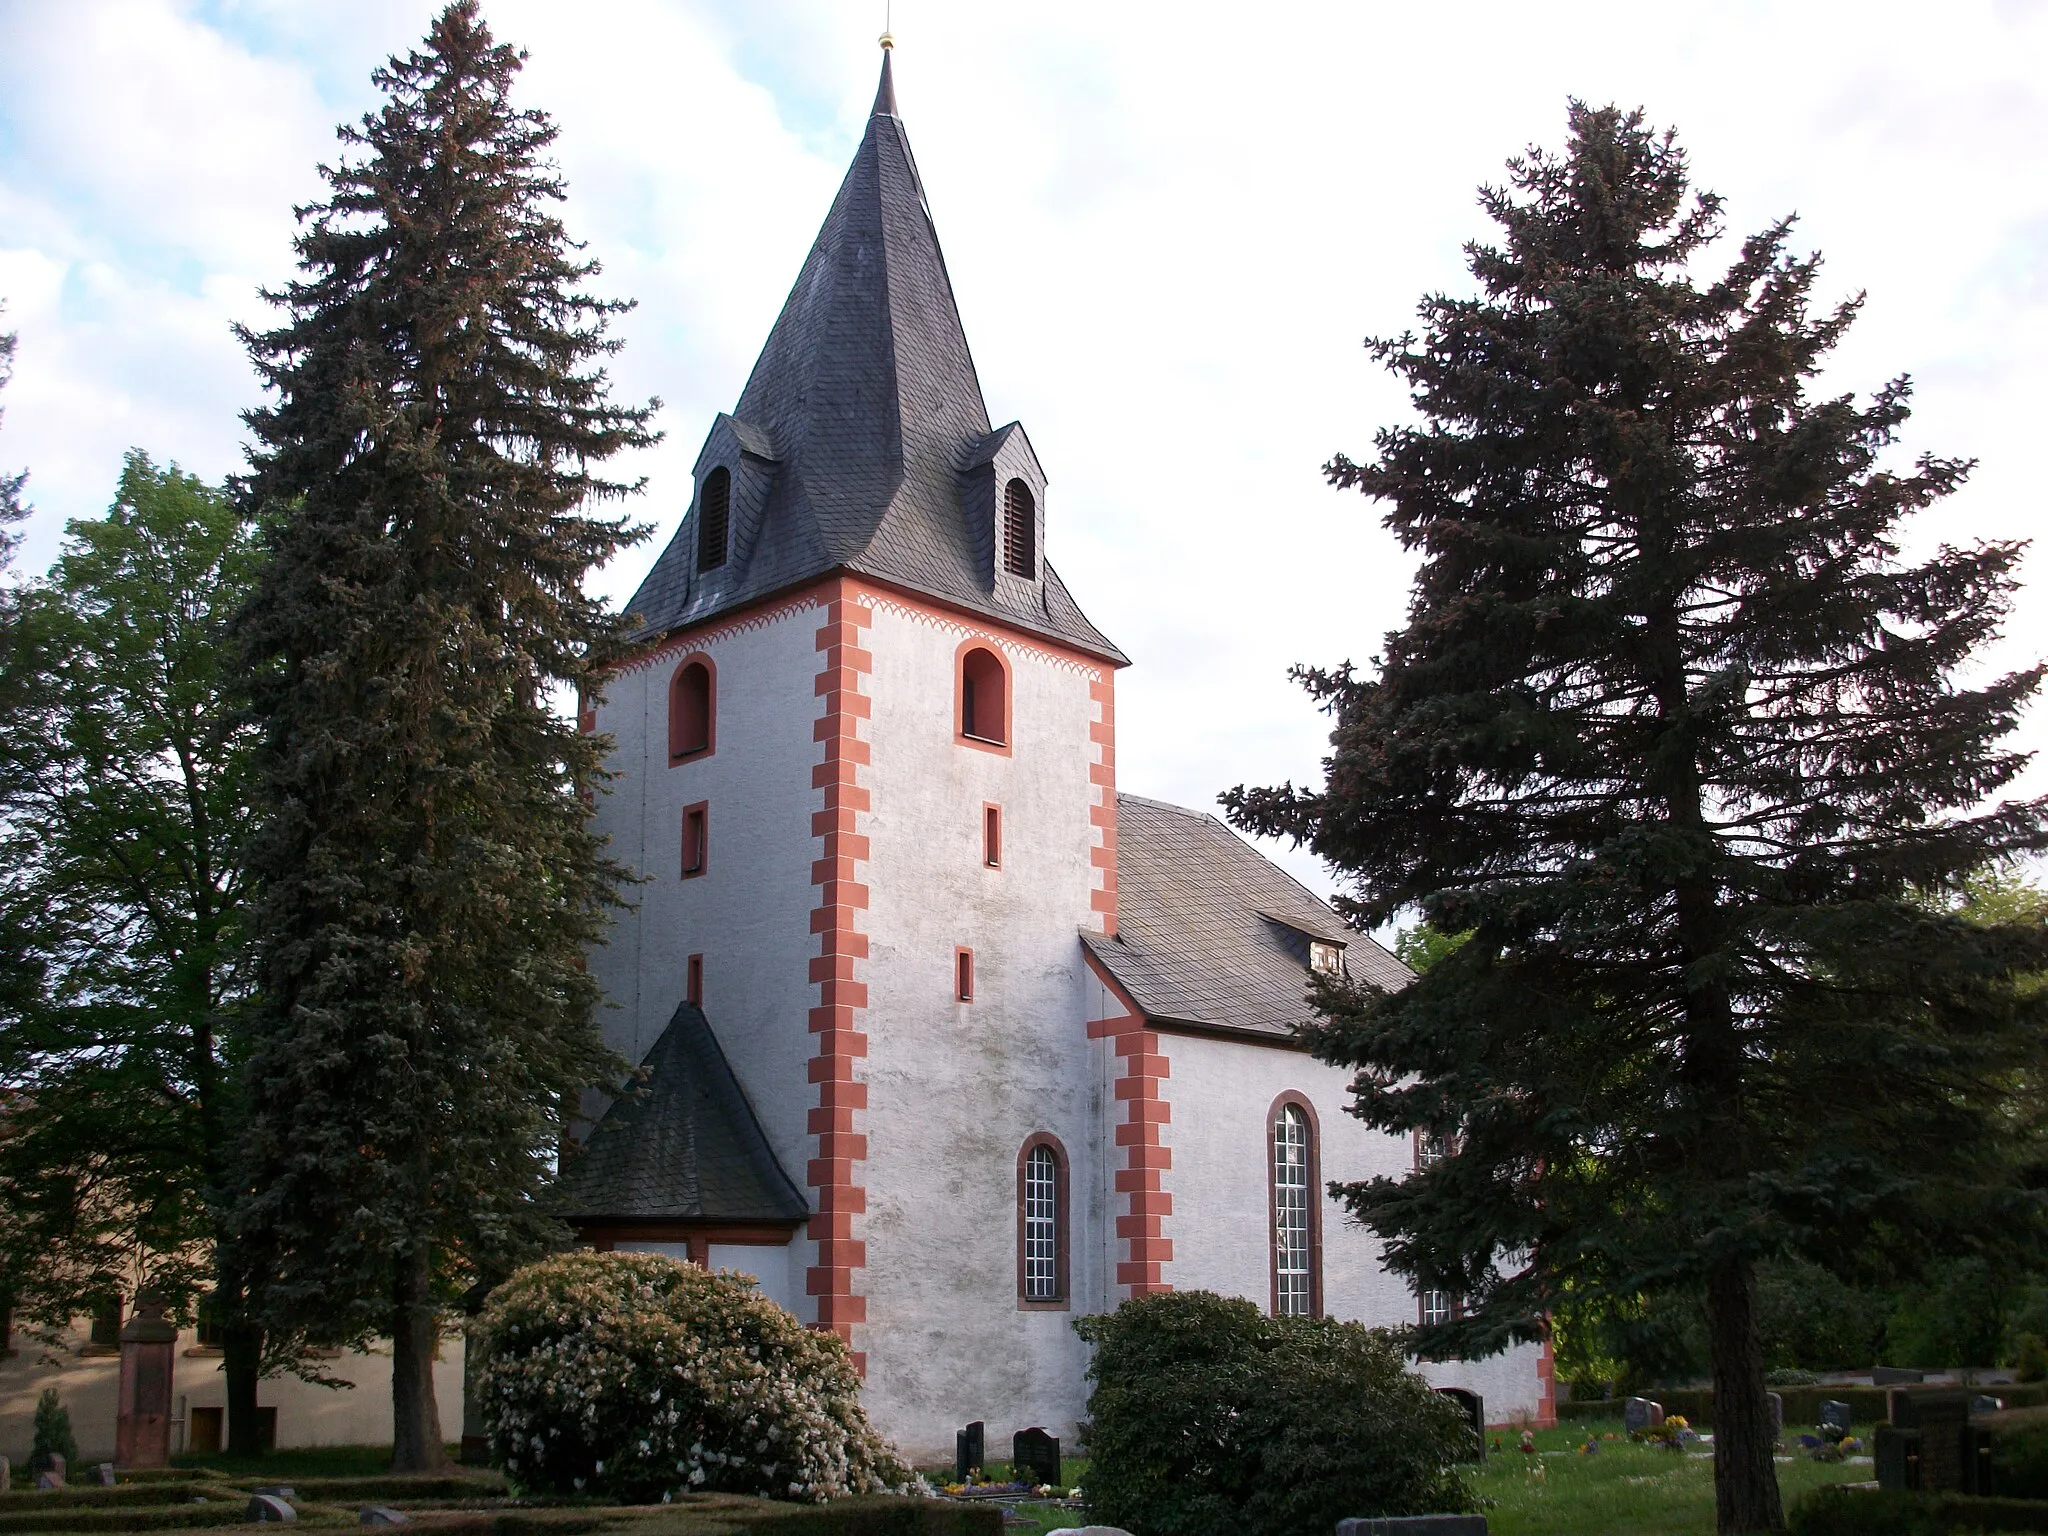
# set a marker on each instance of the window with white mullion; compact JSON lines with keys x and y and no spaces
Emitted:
{"x":1041,"y":1226}
{"x":1291,"y":1213}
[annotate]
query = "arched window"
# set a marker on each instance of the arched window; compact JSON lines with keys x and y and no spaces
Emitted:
{"x":692,"y":709}
{"x":984,"y":697}
{"x":1020,"y":531}
{"x":714,"y":518}
{"x":1291,"y":1163}
{"x":1042,"y":1223}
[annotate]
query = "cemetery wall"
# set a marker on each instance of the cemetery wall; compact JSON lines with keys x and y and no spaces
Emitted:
{"x":307,"y":1415}
{"x":749,"y":913}
{"x":1221,"y":1092}
{"x":954,"y":1089}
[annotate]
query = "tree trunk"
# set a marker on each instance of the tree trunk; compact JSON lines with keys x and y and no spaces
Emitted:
{"x":241,"y":1348}
{"x":1745,"y":1477}
{"x":415,"y":1413}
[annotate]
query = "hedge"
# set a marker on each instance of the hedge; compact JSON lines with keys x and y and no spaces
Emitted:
{"x":1867,"y":1405}
{"x":1862,"y":1512}
{"x":712,"y":1515}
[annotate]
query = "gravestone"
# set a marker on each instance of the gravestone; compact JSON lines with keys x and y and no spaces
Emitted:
{"x":269,"y":1509}
{"x":1896,"y":1376}
{"x":969,"y":1451}
{"x":1475,"y":1412}
{"x":1414,"y":1525}
{"x":382,"y":1514}
{"x":1035,"y":1456}
{"x":1777,"y":1402}
{"x":51,"y":1473}
{"x":1897,"y":1453}
{"x":1835,"y":1417}
{"x":106,"y":1474}
{"x":1946,"y":1462}
{"x":142,"y":1423}
{"x":1984,"y":1403}
{"x":1639,"y":1414}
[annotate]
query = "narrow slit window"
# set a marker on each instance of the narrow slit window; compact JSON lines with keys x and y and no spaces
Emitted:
{"x":992,"y":836}
{"x":1041,"y":1225}
{"x":693,"y":982}
{"x":1292,"y":1290}
{"x":714,"y":519}
{"x":695,"y":839}
{"x":963,"y":975}
{"x":1020,"y":531}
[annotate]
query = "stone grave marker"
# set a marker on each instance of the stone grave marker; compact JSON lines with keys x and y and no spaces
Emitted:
{"x":382,"y":1514}
{"x":106,"y":1474}
{"x":1834,"y":1417}
{"x":1639,"y":1414}
{"x":1777,"y":1402}
{"x":1036,"y":1456}
{"x":269,"y":1509}
{"x":52,"y":1473}
{"x":1896,"y":1376}
{"x":1985,"y":1403}
{"x":969,"y":1450}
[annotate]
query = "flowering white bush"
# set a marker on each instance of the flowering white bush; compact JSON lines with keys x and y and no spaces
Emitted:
{"x":633,"y":1375}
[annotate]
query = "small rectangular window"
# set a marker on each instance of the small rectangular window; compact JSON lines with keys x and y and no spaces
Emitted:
{"x":992,"y":836}
{"x":1438,"y":1308}
{"x":695,"y":838}
{"x":1430,"y":1149}
{"x":693,"y":981}
{"x":963,"y":975}
{"x":1325,"y":957}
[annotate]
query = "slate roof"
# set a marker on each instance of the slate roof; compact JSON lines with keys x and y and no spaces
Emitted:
{"x":684,"y":1146}
{"x":863,"y":412}
{"x":1212,"y":933}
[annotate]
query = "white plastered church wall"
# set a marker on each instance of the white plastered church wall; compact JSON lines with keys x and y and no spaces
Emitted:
{"x":956,"y":1088}
{"x":1222,"y":1092}
{"x":749,"y":913}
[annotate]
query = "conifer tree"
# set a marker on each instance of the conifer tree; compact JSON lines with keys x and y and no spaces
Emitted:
{"x":427,"y":878}
{"x":1679,"y":737}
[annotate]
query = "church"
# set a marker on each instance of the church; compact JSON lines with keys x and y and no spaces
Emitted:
{"x":942,"y":1036}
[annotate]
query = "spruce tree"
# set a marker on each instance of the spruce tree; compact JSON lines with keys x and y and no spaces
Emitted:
{"x":426,"y":878}
{"x":1683,"y":741}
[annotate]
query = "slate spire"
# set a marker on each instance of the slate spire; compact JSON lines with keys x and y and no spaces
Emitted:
{"x":862,"y":415}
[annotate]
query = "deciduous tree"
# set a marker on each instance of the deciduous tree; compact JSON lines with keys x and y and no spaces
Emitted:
{"x":427,"y":879}
{"x":1679,"y":732}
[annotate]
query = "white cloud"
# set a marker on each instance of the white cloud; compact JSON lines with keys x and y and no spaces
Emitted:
{"x":1169,"y":227}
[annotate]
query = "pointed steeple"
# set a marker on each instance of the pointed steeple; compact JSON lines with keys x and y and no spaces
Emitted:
{"x":863,"y":421}
{"x":885,"y":93}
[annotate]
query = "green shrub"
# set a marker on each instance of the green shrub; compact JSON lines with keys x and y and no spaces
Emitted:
{"x":633,"y":1375}
{"x":2033,"y":1358}
{"x":2019,"y":1462}
{"x":53,"y":1435}
{"x":1837,"y":1511}
{"x":1208,"y":1416}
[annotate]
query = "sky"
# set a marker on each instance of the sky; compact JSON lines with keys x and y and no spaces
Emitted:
{"x":1170,"y":227}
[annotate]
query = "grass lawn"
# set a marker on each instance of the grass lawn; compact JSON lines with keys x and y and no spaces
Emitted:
{"x":1626,"y":1490}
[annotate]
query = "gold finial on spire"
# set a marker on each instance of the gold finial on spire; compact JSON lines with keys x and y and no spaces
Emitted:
{"x":887,"y":40}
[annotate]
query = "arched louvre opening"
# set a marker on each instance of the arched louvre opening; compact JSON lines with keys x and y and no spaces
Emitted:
{"x":714,"y":519}
{"x":1020,"y":531}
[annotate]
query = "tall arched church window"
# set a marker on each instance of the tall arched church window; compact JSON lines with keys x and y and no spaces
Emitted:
{"x":1296,"y":1244}
{"x":984,"y":697}
{"x":692,"y":709}
{"x":714,"y":519}
{"x":1020,"y":531}
{"x":1042,"y":1223}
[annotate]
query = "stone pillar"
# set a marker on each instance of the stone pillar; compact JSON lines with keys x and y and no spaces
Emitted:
{"x":142,"y":1427}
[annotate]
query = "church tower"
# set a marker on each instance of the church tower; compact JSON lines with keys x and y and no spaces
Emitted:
{"x":865,"y":763}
